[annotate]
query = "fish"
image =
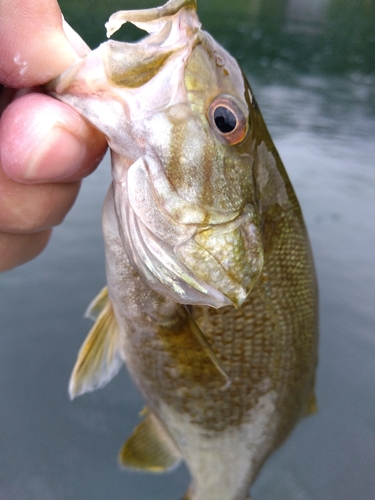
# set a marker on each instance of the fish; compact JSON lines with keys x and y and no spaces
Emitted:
{"x":211,"y":295}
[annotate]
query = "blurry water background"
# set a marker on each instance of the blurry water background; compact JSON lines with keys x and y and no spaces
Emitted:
{"x":311,"y":64}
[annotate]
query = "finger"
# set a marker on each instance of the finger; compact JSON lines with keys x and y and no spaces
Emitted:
{"x":30,"y":209}
{"x":16,"y":249}
{"x":44,"y":140}
{"x":75,"y":40}
{"x":27,"y":60}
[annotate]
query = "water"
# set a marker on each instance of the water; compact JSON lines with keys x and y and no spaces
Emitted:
{"x":314,"y":80}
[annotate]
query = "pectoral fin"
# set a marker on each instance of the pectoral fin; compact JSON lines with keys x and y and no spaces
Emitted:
{"x":197,"y":332}
{"x":97,"y":305}
{"x":149,"y":448}
{"x":98,"y":359}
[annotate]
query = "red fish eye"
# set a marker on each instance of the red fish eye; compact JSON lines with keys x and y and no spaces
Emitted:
{"x":227,"y":119}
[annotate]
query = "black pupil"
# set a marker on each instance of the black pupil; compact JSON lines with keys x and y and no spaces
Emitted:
{"x":225,"y":119}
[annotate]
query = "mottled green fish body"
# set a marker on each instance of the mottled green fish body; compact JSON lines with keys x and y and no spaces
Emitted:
{"x":211,"y":298}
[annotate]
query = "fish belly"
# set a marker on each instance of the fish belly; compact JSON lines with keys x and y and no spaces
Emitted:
{"x":223,"y":464}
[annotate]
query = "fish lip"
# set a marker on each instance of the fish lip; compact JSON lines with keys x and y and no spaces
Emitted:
{"x":142,"y":18}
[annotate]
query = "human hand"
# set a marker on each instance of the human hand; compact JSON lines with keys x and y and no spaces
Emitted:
{"x":46,"y":148}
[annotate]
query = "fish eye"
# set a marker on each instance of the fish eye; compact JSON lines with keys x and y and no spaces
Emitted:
{"x":227,"y":119}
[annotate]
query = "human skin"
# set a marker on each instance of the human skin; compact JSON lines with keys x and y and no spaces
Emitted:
{"x":46,"y":148}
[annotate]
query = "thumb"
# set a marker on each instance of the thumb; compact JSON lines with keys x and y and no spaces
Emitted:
{"x":34,"y":46}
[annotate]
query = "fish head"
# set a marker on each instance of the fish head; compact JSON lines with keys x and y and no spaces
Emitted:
{"x":178,"y":115}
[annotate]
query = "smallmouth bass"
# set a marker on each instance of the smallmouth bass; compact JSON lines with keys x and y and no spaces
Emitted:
{"x":211,"y":298}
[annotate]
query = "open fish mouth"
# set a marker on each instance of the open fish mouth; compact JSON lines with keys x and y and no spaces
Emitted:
{"x":184,"y":251}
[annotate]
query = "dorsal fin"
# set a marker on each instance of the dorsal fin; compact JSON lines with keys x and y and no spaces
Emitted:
{"x":98,"y":359}
{"x":149,"y":448}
